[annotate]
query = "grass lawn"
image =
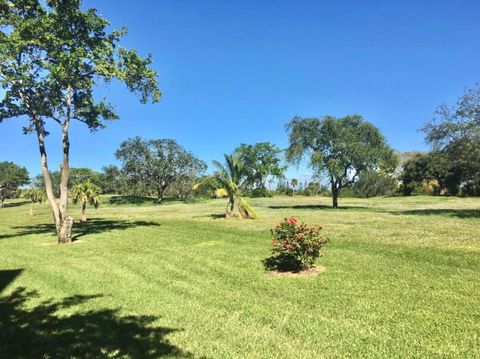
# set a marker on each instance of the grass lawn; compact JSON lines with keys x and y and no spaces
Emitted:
{"x":145,"y":280}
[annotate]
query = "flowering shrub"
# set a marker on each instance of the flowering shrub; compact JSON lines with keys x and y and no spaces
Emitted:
{"x":297,"y":246}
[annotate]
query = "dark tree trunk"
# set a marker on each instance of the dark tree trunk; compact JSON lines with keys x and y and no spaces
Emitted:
{"x":335,"y":191}
{"x":1,"y":202}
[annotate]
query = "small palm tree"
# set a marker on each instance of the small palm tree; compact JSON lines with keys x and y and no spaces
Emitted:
{"x":86,"y":193}
{"x":35,"y":195}
{"x":294,"y":183}
{"x":228,"y":180}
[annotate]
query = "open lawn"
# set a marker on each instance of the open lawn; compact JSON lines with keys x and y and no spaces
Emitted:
{"x":143,"y":280}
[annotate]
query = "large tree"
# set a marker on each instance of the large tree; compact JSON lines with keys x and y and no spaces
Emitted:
{"x":12,"y":176}
{"x":340,"y":148}
{"x":454,"y":134}
{"x":261,"y":160}
{"x":157,"y":163}
{"x":52,"y":54}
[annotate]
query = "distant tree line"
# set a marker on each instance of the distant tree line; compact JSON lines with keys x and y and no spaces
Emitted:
{"x":349,"y":157}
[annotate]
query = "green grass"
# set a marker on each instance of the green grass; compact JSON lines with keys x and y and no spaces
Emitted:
{"x":402,"y":280}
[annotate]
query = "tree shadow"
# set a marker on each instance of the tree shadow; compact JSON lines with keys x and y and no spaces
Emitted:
{"x":15,"y":204}
{"x":448,"y":212}
{"x":7,"y":276}
{"x":42,"y":332}
{"x":314,"y":206}
{"x":131,"y":200}
{"x":138,"y":200}
{"x":92,"y":226}
{"x":212,"y":215}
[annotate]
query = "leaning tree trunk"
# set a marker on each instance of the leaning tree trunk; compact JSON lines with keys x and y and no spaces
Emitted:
{"x":230,"y":207}
{"x":64,"y":227}
{"x":63,"y":222}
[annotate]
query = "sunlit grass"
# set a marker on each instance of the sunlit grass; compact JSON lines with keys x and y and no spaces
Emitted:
{"x":402,"y":276}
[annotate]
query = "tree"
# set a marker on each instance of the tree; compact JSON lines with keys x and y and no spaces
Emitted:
{"x":35,"y":195}
{"x":157,"y":163}
{"x":294,"y":184}
{"x":86,"y":193}
{"x":454,"y":134}
{"x":52,"y":55}
{"x":12,"y":176}
{"x":260,"y":161}
{"x":81,"y":175}
{"x":374,"y":183}
{"x":229,"y":179}
{"x":113,"y":180}
{"x":340,"y":148}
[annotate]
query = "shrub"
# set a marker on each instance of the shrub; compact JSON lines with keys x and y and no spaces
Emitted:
{"x":258,"y":192}
{"x":296,"y":246}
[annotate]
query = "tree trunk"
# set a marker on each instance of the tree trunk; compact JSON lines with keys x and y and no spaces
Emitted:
{"x":160,"y":191}
{"x":230,"y":207}
{"x":46,"y":174}
{"x":335,"y":196}
{"x":1,"y":203}
{"x":84,"y":213}
{"x":66,"y":223}
{"x":63,"y":222}
{"x":64,"y":231}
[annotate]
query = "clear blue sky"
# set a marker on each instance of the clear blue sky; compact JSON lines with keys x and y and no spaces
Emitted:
{"x":233,"y":72}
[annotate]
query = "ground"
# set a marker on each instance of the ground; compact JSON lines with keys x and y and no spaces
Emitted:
{"x":402,"y":279}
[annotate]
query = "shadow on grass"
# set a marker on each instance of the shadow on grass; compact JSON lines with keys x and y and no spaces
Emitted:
{"x":92,"y":226}
{"x":132,"y":200}
{"x":15,"y":204}
{"x":280,"y":263}
{"x":138,"y":200}
{"x":448,"y":212}
{"x":212,"y":215}
{"x":42,"y":332}
{"x":7,"y":276}
{"x":316,"y":206}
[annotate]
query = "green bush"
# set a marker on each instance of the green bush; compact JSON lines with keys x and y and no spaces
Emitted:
{"x":296,"y":246}
{"x":258,"y":192}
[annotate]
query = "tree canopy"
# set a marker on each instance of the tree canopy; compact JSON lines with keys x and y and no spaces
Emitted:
{"x":52,"y":54}
{"x":259,"y":161}
{"x":12,"y":176}
{"x":157,"y":164}
{"x":339,"y":148}
{"x":454,"y":134}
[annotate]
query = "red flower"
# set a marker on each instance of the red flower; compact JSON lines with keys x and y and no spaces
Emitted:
{"x":292,"y":220}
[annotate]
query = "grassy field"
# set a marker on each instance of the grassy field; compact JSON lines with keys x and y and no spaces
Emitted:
{"x":142,"y":280}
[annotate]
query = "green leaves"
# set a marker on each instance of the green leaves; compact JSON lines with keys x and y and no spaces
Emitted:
{"x":156,"y":164}
{"x":340,"y":148}
{"x":52,"y":54}
{"x":86,"y":192}
{"x":260,"y":161}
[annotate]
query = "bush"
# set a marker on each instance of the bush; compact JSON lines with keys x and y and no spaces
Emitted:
{"x":258,"y":192}
{"x":296,"y":246}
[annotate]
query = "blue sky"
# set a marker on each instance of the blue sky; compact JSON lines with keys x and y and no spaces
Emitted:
{"x":234,"y":72}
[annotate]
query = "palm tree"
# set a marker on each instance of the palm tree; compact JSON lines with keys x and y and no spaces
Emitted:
{"x":84,"y":193}
{"x":35,"y":195}
{"x":294,"y":183}
{"x":229,"y":179}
